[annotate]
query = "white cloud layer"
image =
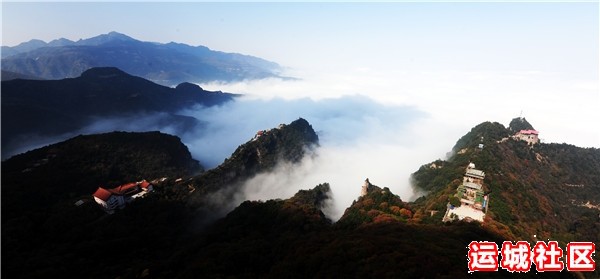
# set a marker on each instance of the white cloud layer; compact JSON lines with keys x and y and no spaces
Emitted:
{"x":563,"y":107}
{"x":359,"y":138}
{"x":408,"y":119}
{"x":376,"y":125}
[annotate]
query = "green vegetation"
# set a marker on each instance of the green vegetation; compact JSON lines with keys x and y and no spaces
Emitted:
{"x":485,"y":133}
{"x":67,"y":171}
{"x":454,"y":201}
{"x":535,"y":190}
{"x":378,"y":206}
{"x":430,"y":178}
{"x":518,"y":124}
{"x":56,"y":107}
{"x":282,"y":238}
{"x":287,"y":143}
{"x":45,"y":235}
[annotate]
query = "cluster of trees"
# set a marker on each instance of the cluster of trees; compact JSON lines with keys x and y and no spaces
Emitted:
{"x":485,"y":133}
{"x":378,"y":206}
{"x":377,"y":250}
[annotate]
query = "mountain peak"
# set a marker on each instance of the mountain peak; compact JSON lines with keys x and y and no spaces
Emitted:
{"x":60,"y":42}
{"x":106,"y":38}
{"x":302,"y":126}
{"x":317,"y":196}
{"x":117,"y":35}
{"x":103,"y":73}
{"x":375,"y":205}
{"x":261,"y":154}
{"x":484,"y":133}
{"x":31,"y":44}
{"x":519,"y":123}
{"x":188,"y":87}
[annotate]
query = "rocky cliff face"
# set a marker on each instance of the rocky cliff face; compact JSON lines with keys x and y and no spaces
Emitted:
{"x":261,"y":154}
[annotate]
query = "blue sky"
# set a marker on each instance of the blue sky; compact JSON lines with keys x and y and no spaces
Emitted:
{"x":460,"y":62}
{"x":474,"y":33}
{"x":466,"y":35}
{"x":404,"y":81}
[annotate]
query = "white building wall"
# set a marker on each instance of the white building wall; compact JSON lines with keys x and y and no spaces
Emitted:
{"x":100,"y":202}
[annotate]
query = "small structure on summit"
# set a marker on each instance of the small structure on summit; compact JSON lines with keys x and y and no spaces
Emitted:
{"x":473,"y":202}
{"x":258,"y":135}
{"x":365,"y":188}
{"x":523,"y":130}
{"x":111,"y":199}
{"x":530,"y":136}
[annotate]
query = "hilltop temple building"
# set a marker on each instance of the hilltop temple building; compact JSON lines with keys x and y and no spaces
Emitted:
{"x":530,"y":136}
{"x":473,"y":201}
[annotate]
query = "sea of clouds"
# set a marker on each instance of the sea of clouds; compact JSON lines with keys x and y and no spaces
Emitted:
{"x":359,"y":138}
{"x":381,"y":126}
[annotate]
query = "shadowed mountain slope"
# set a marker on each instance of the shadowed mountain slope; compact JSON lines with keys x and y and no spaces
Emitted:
{"x":54,"y":107}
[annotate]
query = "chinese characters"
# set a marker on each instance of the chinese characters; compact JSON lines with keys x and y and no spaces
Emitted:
{"x":518,"y":257}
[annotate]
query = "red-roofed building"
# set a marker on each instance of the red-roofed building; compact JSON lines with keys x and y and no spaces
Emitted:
{"x":108,"y":200}
{"x":102,"y":194}
{"x":111,"y":199}
{"x":126,"y":189}
{"x":530,"y":136}
{"x":146,"y":185}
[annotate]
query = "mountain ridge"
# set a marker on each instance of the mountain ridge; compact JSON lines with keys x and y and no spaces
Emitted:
{"x":65,"y":232}
{"x":217,"y":189}
{"x":7,"y":75}
{"x":530,"y":196}
{"x":55,"y":107}
{"x":379,"y":235}
{"x":167,"y":64}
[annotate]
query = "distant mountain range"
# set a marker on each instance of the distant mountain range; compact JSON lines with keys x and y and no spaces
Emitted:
{"x":54,"y":107}
{"x":168,"y":64}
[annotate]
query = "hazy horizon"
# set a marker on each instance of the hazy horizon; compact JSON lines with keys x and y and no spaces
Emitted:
{"x":396,"y":83}
{"x":461,"y":63}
